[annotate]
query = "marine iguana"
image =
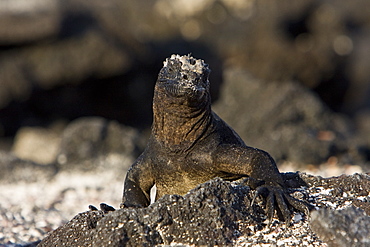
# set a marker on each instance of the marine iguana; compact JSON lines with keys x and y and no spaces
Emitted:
{"x":190,"y":144}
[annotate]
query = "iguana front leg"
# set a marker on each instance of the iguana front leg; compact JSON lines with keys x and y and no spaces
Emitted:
{"x":259,"y":165}
{"x":139,"y":180}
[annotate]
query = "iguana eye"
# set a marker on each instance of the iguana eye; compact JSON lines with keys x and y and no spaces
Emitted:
{"x":185,"y":77}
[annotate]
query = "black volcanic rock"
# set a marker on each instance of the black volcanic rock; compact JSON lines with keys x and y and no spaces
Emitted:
{"x":207,"y":216}
{"x":217,"y":213}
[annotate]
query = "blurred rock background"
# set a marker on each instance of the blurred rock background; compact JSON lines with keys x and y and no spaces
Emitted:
{"x":303,"y":68}
{"x":77,"y":79}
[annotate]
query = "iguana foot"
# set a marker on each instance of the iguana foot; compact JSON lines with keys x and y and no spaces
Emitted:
{"x":93,"y":208}
{"x":277,"y":199}
{"x":103,"y":207}
{"x":106,"y":208}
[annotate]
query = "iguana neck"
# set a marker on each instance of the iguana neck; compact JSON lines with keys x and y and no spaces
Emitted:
{"x":179,"y":127}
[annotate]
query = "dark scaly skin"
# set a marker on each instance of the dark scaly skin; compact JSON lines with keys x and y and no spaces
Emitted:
{"x":190,"y":145}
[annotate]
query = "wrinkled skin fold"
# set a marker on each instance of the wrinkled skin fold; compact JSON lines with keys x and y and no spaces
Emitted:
{"x":190,"y":144}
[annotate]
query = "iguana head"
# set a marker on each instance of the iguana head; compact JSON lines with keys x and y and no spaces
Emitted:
{"x":185,"y":78}
{"x":181,"y":103}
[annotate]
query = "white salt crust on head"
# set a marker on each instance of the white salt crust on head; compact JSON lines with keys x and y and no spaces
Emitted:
{"x":186,"y":62}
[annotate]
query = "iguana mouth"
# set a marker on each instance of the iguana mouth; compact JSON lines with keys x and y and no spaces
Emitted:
{"x":175,"y":89}
{"x":179,"y":89}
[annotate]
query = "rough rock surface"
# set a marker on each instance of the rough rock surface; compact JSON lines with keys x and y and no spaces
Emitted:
{"x":214,"y":213}
{"x":207,"y":216}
